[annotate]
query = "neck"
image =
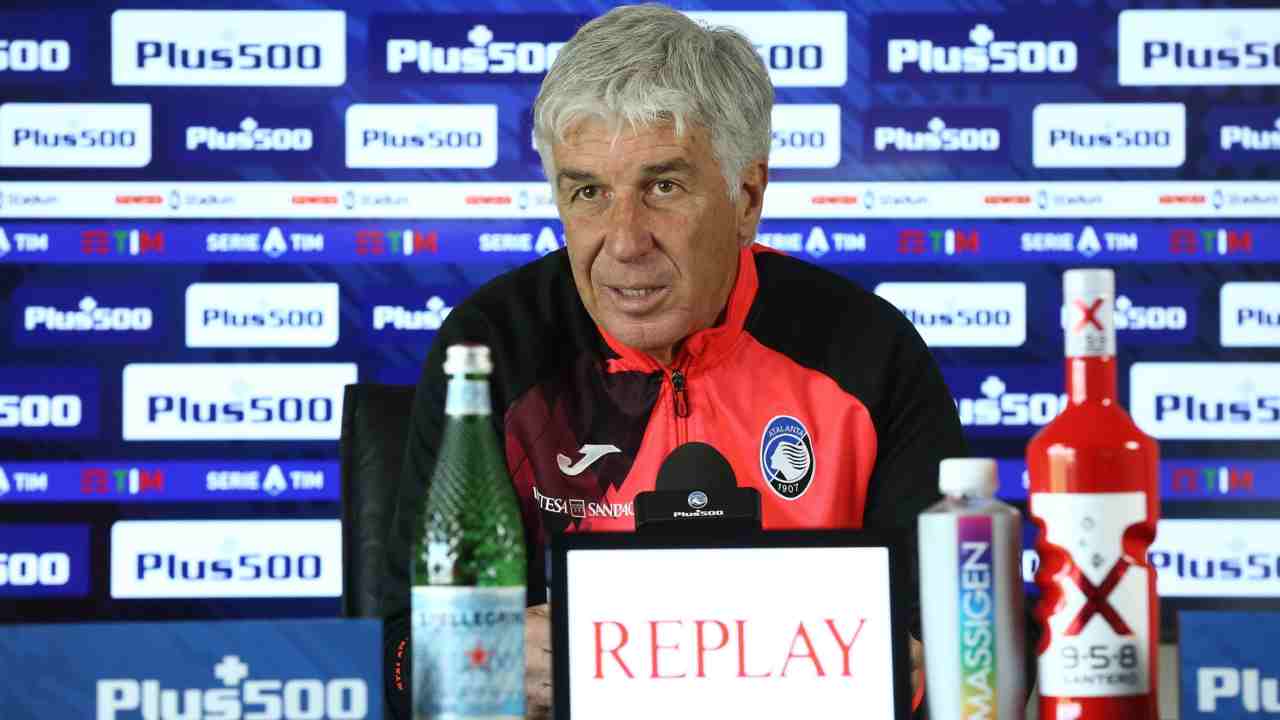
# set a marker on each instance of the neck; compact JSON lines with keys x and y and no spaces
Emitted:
{"x":1091,"y":379}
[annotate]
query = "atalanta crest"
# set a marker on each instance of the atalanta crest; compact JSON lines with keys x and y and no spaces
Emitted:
{"x":786,"y":456}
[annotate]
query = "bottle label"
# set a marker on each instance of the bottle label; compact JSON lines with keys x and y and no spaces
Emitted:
{"x":1090,"y":326}
{"x":1099,"y":633}
{"x":467,"y":397}
{"x":978,"y":618}
{"x":468,"y":652}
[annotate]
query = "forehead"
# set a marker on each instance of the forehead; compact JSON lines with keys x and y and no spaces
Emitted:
{"x":599,"y":146}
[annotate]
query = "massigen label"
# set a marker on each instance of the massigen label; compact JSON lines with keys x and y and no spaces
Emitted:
{"x":226,"y":558}
{"x":265,"y":48}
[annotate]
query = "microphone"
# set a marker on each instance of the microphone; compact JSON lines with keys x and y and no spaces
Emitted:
{"x":696,"y":493}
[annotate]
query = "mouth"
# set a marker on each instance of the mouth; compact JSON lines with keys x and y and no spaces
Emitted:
{"x":636,"y":298}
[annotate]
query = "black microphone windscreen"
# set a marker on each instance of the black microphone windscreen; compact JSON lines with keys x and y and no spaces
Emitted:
{"x":695,"y":466}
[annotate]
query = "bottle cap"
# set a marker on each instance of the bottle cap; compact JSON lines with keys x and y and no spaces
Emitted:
{"x":467,"y":360}
{"x":1091,"y":282}
{"x":973,"y":477}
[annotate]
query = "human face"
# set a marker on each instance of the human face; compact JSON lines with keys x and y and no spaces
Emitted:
{"x":653,"y":238}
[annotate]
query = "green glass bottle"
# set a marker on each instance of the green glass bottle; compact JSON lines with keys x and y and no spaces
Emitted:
{"x":469,"y":563}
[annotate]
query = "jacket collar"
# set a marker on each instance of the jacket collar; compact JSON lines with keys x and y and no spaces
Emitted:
{"x":705,"y":347}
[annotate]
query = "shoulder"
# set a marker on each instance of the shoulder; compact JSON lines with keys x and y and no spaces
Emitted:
{"x":828,"y":323}
{"x":813,"y":312}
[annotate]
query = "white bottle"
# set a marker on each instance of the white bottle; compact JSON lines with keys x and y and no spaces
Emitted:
{"x":971,"y":597}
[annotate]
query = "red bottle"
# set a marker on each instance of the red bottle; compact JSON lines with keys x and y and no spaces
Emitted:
{"x":1095,"y":499}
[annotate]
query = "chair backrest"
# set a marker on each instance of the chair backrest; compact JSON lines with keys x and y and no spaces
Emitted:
{"x":375,"y":421}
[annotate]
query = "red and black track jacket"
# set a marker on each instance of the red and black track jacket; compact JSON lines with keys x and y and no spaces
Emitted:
{"x":821,"y":395}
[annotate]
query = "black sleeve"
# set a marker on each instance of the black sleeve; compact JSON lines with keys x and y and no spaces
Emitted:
{"x":916,"y":427}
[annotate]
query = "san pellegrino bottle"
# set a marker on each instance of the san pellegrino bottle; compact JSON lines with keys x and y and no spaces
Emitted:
{"x":971,"y":597}
{"x":1095,"y":499}
{"x":468,"y":593}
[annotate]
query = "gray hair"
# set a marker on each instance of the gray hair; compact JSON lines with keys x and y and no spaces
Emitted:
{"x":644,"y":64}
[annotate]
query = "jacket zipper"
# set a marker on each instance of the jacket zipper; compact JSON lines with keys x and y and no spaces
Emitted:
{"x":681,"y":401}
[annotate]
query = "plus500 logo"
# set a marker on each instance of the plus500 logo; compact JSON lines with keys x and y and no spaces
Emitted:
{"x":25,"y":569}
{"x":983,"y":55}
{"x":240,"y":568}
{"x":89,"y":317}
{"x":240,"y":697}
{"x":48,"y":401}
{"x":234,"y":401}
{"x":34,"y":55}
{"x":1200,"y":401}
{"x":1000,"y":411}
{"x":483,"y":56}
{"x":40,"y":411}
{"x":249,"y":137}
{"x":228,"y":47}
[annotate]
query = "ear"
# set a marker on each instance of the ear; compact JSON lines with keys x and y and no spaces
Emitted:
{"x":750,"y":203}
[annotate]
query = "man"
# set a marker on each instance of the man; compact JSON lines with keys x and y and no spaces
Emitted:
{"x":663,"y":323}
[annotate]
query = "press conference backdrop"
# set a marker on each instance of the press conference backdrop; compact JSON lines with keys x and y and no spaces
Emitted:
{"x":211,"y":220}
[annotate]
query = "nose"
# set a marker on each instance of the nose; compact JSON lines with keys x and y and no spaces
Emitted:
{"x":627,"y":235}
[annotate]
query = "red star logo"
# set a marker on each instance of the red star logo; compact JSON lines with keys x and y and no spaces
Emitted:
{"x":479,"y":657}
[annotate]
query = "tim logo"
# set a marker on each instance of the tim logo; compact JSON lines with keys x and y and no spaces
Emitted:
{"x":786,"y":457}
{"x":942,"y":241}
{"x":1211,"y":241}
{"x":925,"y":47}
{"x":121,"y":242}
{"x":101,"y":481}
{"x":1210,"y":480}
{"x":391,"y":243}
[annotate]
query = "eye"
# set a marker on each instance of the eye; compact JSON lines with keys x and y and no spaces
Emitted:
{"x":586,"y":192}
{"x":665,"y":187}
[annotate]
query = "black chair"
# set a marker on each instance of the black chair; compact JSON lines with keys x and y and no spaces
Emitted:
{"x":375,"y":421}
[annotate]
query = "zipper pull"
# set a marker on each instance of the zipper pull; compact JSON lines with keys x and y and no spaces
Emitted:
{"x":681,"y":398}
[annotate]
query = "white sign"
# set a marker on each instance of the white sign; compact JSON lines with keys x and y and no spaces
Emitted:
{"x":75,"y":135}
{"x":260,"y":48}
{"x":234,"y":401}
{"x":1109,"y":135}
{"x":422,"y":136}
{"x":226,"y":558}
{"x":801,"y":644}
{"x":960,"y":314}
{"x":1206,"y":401}
{"x":805,"y":136}
{"x":1216,"y":558}
{"x":800,"y":48}
{"x":1199,"y":47}
{"x":245,"y":315}
{"x":1250,"y":314}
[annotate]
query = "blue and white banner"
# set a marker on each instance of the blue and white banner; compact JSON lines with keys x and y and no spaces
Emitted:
{"x":1227,"y":665}
{"x":268,"y":669}
{"x":44,"y":560}
{"x":204,"y":481}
